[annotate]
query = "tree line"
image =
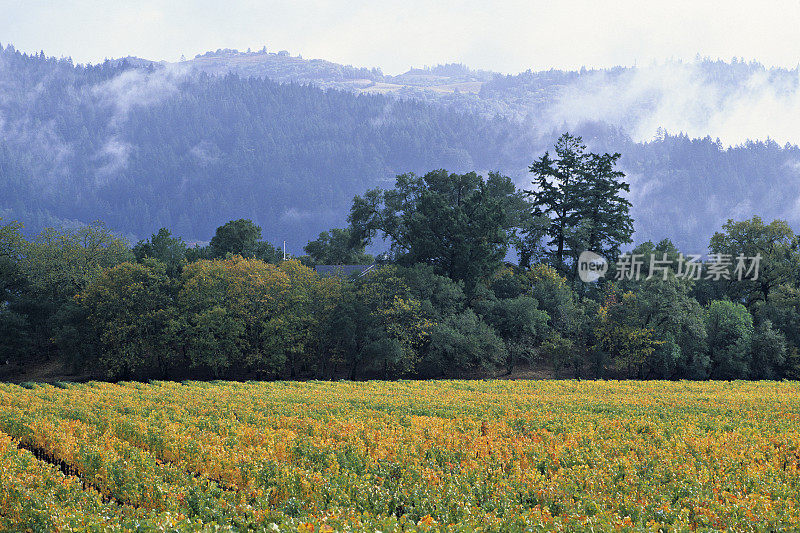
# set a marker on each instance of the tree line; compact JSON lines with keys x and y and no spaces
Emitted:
{"x":444,"y":300}
{"x":142,"y":146}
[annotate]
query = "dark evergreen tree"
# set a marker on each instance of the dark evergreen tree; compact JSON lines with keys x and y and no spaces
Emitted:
{"x":605,"y":222}
{"x":557,"y":194}
{"x":580,"y":194}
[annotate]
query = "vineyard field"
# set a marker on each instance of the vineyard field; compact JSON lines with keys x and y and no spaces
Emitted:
{"x":319,"y":456}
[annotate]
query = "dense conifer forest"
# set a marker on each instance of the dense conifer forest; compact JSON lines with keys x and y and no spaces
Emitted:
{"x":143,"y":145}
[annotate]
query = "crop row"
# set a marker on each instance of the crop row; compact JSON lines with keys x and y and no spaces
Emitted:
{"x":564,"y":456}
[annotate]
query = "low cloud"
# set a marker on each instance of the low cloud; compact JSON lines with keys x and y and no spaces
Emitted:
{"x":699,"y":99}
{"x":123,"y":94}
{"x":138,"y":87}
{"x":113,"y":158}
{"x":25,"y":134}
{"x":205,"y":153}
{"x":296,"y":215}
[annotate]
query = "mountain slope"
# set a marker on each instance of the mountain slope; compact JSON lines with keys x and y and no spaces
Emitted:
{"x":159,"y":146}
{"x":143,"y":145}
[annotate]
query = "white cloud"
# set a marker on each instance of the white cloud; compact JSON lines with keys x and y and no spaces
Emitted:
{"x":205,"y":153}
{"x":113,"y":158}
{"x":506,"y":36}
{"x":138,"y":87}
{"x":123,"y":93}
{"x":682,"y":97}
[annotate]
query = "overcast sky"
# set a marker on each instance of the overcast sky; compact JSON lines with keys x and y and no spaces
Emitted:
{"x":507,"y":36}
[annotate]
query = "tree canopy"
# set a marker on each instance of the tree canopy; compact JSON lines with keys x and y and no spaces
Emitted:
{"x":580,"y":194}
{"x":461,"y":224}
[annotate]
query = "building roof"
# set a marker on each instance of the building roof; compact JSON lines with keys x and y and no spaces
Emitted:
{"x":342,"y":270}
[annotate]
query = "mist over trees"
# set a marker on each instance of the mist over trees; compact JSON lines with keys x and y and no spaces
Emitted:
{"x":477,"y":265}
{"x":144,"y":146}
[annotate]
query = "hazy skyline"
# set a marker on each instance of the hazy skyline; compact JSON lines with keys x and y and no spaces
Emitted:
{"x":509,"y":36}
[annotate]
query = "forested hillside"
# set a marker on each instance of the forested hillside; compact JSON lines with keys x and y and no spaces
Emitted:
{"x":142,"y":148}
{"x":142,"y":145}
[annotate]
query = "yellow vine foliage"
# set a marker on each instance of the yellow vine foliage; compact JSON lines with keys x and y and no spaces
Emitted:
{"x":400,"y":456}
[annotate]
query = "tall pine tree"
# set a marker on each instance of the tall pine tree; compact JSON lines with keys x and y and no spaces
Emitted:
{"x":581,"y":195}
{"x":556,"y":194}
{"x":605,"y":222}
